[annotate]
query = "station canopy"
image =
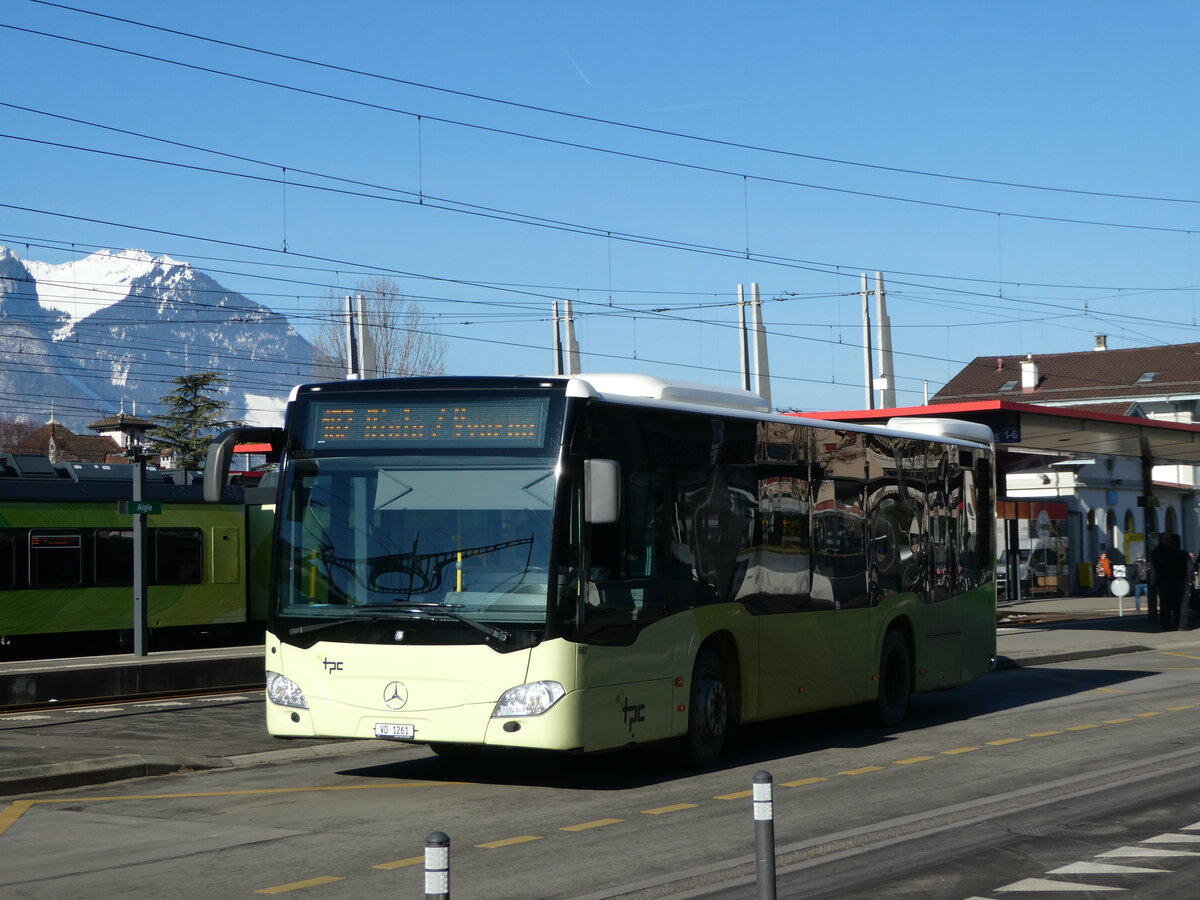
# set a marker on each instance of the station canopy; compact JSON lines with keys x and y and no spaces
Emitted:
{"x":1055,"y":430}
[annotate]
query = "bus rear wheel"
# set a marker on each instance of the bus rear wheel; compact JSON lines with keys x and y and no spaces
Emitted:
{"x":895,"y":680}
{"x":709,"y":712}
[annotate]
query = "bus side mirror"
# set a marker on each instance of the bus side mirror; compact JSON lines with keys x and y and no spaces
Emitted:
{"x":221,"y":450}
{"x":601,"y":491}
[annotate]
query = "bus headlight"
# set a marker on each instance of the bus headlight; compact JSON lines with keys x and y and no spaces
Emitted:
{"x":528,"y":699}
{"x":284,"y":692}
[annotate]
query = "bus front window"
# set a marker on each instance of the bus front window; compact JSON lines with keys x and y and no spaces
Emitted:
{"x":371,"y":536}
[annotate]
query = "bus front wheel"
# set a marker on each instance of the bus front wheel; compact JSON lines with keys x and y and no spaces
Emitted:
{"x":708,"y":712}
{"x":895,"y":680}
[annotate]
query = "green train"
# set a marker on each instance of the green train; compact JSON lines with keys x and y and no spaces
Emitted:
{"x":66,"y":559}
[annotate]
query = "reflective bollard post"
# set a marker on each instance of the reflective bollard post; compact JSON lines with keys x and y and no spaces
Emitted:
{"x":764,"y":835}
{"x":437,"y":866}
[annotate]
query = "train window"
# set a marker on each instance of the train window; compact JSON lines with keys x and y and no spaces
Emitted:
{"x":114,"y":557}
{"x":55,"y":559}
{"x":8,"y":558}
{"x":178,"y":556}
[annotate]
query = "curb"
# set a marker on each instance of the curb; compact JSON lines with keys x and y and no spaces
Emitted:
{"x":89,"y":772}
{"x":1045,"y":659}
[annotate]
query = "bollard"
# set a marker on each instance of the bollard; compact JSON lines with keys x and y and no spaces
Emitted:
{"x":437,"y":866}
{"x":764,"y":835}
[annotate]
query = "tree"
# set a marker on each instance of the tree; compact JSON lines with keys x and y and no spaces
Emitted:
{"x":193,"y":415}
{"x":13,"y":432}
{"x":406,"y":340}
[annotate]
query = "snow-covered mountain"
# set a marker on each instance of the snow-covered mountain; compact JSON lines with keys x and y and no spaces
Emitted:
{"x":86,"y":338}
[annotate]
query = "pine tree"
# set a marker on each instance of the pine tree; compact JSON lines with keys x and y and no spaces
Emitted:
{"x":193,"y":416}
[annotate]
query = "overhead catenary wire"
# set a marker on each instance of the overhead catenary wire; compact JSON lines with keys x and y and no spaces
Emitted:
{"x":776,"y":151}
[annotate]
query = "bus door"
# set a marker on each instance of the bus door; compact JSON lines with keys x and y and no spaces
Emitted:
{"x":626,"y":657}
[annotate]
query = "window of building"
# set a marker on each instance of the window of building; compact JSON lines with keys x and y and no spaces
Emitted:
{"x":1147,"y":377}
{"x":1008,"y":386}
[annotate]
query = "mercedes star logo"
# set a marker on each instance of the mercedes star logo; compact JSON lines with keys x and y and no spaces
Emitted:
{"x":395,"y":695}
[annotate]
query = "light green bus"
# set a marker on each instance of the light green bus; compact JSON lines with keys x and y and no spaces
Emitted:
{"x":585,"y":563}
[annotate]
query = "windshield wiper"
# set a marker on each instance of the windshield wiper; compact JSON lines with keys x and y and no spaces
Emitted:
{"x":434,"y":610}
{"x":321,"y":626}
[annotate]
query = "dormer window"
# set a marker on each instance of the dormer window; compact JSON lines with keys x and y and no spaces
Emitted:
{"x":1147,"y":377}
{"x":1008,"y":386}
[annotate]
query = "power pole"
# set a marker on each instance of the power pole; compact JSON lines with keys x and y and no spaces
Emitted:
{"x":558,"y":354}
{"x":886,"y":382}
{"x":762,"y":369}
{"x":868,"y":375}
{"x":743,"y":338}
{"x":573,"y":367}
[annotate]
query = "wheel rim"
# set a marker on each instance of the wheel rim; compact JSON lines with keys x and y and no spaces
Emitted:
{"x":712,"y":708}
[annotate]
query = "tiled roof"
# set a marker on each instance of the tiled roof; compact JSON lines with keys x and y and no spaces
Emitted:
{"x":70,"y":447}
{"x":1103,"y":376}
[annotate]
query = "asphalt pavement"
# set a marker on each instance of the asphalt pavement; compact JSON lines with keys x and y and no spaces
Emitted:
{"x":51,"y":746}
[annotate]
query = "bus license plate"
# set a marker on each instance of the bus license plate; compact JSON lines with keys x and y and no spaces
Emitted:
{"x":394,"y":731}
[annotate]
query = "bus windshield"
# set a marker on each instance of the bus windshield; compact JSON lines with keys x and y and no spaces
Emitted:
{"x":411,"y":536}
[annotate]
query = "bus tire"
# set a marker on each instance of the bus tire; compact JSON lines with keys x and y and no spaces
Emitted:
{"x":709,"y":711}
{"x":895,"y":680}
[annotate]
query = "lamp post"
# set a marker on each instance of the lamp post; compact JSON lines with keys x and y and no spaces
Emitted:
{"x":137,"y":455}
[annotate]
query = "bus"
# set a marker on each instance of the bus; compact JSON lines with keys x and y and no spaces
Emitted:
{"x":590,"y":562}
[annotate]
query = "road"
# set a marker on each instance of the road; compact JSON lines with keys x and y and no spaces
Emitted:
{"x":1054,"y":774}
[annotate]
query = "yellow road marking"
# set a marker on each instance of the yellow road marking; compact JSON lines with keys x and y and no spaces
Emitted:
{"x":1147,"y":715}
{"x":17,"y":808}
{"x":1180,"y":653}
{"x":913,"y":759}
{"x":508,"y":842}
{"x":863,"y":771}
{"x":299,"y":885}
{"x":1107,"y":690}
{"x":669,"y":809}
{"x":1082,"y":727}
{"x":1116,"y":721}
{"x":801,"y":782}
{"x":1043,"y":733}
{"x":401,"y":863}
{"x":1003,"y":741}
{"x":957,"y":750}
{"x":1180,"y":708}
{"x":736,"y":795}
{"x":599,"y":823}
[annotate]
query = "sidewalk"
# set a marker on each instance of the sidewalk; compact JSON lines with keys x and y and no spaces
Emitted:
{"x":44,"y":750}
{"x":1039,"y":632}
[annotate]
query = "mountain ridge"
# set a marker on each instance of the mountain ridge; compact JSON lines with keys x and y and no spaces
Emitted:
{"x":80,"y":340}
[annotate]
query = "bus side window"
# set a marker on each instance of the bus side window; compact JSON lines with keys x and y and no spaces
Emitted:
{"x":623,"y":566}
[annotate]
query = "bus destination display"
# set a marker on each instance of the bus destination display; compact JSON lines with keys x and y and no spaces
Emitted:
{"x":511,"y":422}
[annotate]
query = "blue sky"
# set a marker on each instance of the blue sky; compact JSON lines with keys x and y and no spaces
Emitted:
{"x":827,"y":100}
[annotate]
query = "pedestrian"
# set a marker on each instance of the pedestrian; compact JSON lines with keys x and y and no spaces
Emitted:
{"x":1189,"y":587}
{"x":1103,"y":574}
{"x":1141,"y":583}
{"x":1171,"y":572}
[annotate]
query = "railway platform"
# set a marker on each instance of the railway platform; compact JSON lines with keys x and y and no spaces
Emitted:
{"x":112,"y":720}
